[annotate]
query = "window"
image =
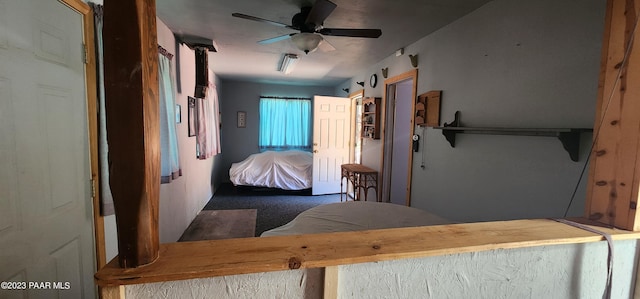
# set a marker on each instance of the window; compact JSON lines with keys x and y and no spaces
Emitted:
{"x":285,"y":123}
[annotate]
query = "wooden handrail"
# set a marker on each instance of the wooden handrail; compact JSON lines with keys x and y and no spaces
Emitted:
{"x":189,"y":260}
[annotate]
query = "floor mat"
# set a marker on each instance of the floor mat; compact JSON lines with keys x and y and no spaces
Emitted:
{"x":221,"y":224}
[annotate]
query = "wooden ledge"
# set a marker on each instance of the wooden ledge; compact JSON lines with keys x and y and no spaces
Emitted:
{"x":202,"y":259}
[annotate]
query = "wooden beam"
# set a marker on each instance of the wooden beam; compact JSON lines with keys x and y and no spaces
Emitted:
{"x":331,"y":279}
{"x":114,"y":292}
{"x":612,"y":190}
{"x":131,"y":87}
{"x":189,"y":260}
{"x":359,"y":93}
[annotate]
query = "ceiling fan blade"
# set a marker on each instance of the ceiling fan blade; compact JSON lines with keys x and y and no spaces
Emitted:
{"x":325,"y":46}
{"x":320,"y":11}
{"x":275,"y":39}
{"x":370,"y":33}
{"x":252,"y":18}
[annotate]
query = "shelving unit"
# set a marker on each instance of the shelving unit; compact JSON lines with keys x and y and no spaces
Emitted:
{"x":371,"y":118}
{"x":427,"y":109}
{"x":569,"y":137}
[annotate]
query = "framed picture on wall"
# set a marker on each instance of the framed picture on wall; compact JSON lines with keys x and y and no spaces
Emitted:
{"x":192,"y":115}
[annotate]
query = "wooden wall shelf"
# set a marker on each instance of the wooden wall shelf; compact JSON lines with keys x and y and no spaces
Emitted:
{"x":570,"y":137}
{"x":427,"y":109}
{"x":371,"y":117}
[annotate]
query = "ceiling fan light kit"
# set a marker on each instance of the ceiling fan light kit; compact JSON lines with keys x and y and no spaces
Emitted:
{"x":309,"y":21}
{"x":306,"y":42}
{"x":288,"y":61}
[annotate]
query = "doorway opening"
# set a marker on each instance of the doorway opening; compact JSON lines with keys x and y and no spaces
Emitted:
{"x":356,"y":131}
{"x":355,"y":156}
{"x":397,"y":154}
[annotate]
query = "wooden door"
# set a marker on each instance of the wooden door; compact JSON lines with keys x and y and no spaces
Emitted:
{"x":331,"y":146}
{"x":46,"y":220}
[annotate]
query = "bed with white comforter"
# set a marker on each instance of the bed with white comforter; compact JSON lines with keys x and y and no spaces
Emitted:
{"x":288,"y":170}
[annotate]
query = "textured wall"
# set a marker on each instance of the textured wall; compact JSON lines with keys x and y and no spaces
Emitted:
{"x":183,"y":198}
{"x":285,"y":284}
{"x":520,"y":64}
{"x":560,"y":271}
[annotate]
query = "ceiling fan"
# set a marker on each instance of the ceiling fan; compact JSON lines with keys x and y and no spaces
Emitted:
{"x":309,"y":22}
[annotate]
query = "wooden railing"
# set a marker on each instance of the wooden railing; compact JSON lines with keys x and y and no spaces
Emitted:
{"x":189,"y":260}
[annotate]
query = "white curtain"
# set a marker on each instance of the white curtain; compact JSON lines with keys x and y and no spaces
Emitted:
{"x":170,"y":159}
{"x":208,"y":128}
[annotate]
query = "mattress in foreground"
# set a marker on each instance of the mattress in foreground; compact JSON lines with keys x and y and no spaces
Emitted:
{"x":355,"y":216}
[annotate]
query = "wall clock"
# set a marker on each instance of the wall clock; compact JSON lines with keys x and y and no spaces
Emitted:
{"x":373,"y":81}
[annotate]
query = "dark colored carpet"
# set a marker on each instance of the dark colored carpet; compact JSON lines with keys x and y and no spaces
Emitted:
{"x":275,"y":207}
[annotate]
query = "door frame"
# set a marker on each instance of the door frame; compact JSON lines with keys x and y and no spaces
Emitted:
{"x":355,"y":137}
{"x":354,"y":97}
{"x":413,"y":75}
{"x":83,"y":9}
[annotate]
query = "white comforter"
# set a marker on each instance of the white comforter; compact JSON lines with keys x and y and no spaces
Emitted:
{"x":288,"y":170}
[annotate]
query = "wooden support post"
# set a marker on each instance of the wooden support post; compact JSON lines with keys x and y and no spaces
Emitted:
{"x":131,"y":86}
{"x":112,"y":292}
{"x":331,"y":280}
{"x":614,"y":177}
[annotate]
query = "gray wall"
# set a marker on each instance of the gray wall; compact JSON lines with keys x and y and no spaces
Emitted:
{"x":238,"y":143}
{"x":183,"y":198}
{"x":507,"y":64}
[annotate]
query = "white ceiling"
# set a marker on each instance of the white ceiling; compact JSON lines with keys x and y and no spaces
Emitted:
{"x":240,"y":57}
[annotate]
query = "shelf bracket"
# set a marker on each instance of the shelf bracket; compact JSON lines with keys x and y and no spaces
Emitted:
{"x":450,"y":135}
{"x":571,"y":143}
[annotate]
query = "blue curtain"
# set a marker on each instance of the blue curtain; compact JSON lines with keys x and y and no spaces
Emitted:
{"x":170,"y":159}
{"x":285,"y":124}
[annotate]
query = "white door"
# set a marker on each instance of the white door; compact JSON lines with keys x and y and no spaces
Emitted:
{"x":46,"y":222}
{"x":331,"y":146}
